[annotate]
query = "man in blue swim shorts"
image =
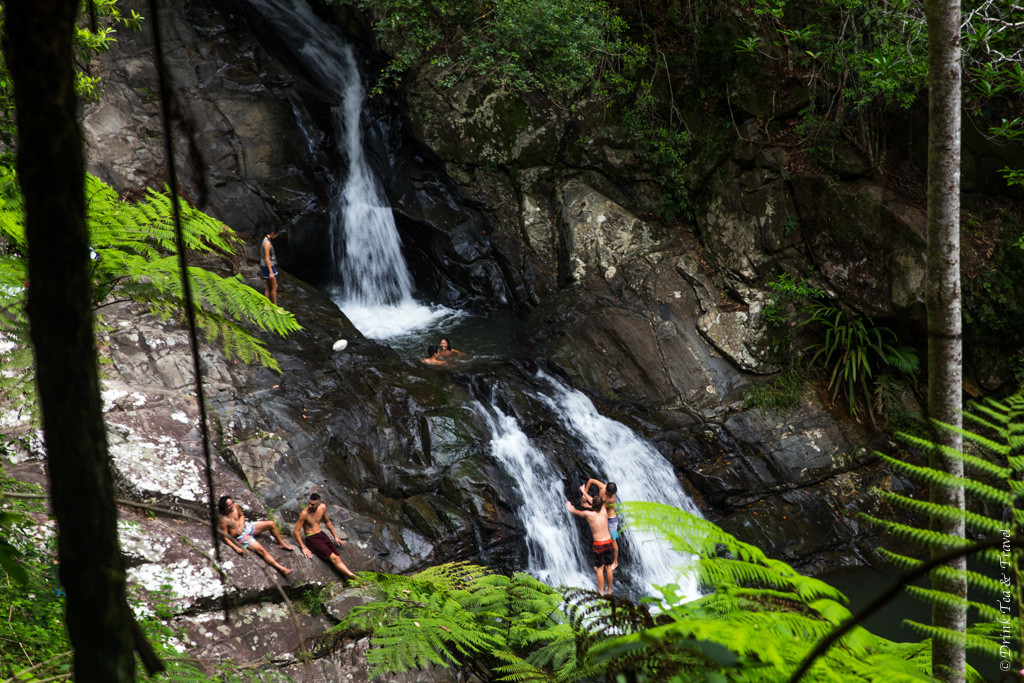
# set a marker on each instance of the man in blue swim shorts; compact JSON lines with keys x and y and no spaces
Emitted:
{"x":235,"y":527}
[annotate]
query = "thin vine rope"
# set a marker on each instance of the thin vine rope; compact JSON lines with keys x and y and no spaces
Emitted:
{"x":163,"y":80}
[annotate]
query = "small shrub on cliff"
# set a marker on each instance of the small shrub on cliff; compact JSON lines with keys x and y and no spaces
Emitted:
{"x":788,"y":296}
{"x":855,"y":352}
{"x":780,"y":394}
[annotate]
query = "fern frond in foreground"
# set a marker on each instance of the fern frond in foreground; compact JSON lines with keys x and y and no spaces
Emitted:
{"x":757,"y":621}
{"x":457,"y":613}
{"x":134,"y":258}
{"x":994,"y":469}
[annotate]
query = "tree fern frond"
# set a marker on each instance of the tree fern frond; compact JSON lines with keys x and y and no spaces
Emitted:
{"x":935,"y":477}
{"x":982,"y":644}
{"x":980,"y":439}
{"x":924,"y":537}
{"x":933,"y":596}
{"x":974,"y":521}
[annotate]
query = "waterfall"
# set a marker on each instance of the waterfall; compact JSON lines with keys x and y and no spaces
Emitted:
{"x":371,"y":282}
{"x":617,"y":453}
{"x":554,"y":553}
{"x":613,"y":452}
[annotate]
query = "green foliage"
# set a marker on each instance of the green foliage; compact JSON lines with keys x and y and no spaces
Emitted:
{"x":558,"y":46}
{"x":867,"y":53}
{"x":88,"y":44}
{"x":33,"y":639}
{"x":854,"y":350}
{"x":780,"y":394}
{"x":993,"y":459}
{"x":755,"y":621}
{"x":789,"y":295}
{"x":992,"y":306}
{"x":134,"y":259}
{"x":457,"y":612}
{"x":32,"y":630}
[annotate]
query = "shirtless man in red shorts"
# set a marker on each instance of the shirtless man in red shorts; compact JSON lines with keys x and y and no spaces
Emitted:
{"x":316,"y":540}
{"x":597,"y":518}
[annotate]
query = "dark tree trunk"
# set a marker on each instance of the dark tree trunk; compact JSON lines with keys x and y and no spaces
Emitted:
{"x":51,"y":170}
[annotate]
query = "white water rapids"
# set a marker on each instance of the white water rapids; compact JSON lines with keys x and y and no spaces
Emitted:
{"x":614,"y":453}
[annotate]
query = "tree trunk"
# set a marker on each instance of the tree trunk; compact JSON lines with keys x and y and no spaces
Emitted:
{"x":51,"y":169}
{"x":945,"y":356}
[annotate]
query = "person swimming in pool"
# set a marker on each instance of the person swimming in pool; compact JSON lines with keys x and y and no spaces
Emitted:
{"x":445,"y":350}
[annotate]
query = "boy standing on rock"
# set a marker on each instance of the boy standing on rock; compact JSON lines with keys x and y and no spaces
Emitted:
{"x":597,"y":519}
{"x":316,"y":540}
{"x":234,"y":527}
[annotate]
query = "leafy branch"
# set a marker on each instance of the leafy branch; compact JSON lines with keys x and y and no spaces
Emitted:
{"x":133,"y":249}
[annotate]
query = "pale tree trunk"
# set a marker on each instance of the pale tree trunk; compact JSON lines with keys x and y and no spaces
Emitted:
{"x":945,"y":356}
{"x":51,"y":170}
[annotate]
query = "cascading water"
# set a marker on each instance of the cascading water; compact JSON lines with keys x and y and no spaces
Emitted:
{"x":372,"y":283}
{"x":554,"y":553}
{"x":614,"y":453}
{"x":374,"y":289}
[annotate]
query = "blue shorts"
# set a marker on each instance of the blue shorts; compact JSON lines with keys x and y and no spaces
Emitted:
{"x":245,"y":538}
{"x":613,"y":527}
{"x":266,"y":273}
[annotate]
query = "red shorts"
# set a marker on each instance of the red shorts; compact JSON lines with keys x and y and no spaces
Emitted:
{"x":321,"y":545}
{"x":604,"y":553}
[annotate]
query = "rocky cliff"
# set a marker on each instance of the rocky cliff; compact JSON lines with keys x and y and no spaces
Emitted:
{"x":503,"y":202}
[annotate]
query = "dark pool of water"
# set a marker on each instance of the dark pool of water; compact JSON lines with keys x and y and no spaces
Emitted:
{"x":490,"y":335}
{"x":862,"y":585}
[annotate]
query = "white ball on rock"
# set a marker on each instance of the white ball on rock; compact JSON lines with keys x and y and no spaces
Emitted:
{"x":340,"y":345}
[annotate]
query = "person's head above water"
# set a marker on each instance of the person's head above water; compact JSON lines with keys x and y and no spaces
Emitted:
{"x":445,"y":345}
{"x":611,"y":488}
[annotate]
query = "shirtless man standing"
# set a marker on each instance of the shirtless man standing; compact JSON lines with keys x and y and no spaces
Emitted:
{"x":316,"y":539}
{"x":607,"y":493}
{"x":234,"y":527}
{"x":597,"y":518}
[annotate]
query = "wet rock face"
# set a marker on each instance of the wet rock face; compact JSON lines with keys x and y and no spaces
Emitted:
{"x":240,"y":151}
{"x":256,"y":147}
{"x":404,"y":476}
{"x":498,"y":204}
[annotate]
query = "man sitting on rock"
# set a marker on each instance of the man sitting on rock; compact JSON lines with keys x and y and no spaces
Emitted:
{"x":234,"y":527}
{"x":315,"y":537}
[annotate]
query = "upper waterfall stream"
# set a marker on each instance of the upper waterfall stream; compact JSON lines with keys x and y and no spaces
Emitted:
{"x":371,"y":281}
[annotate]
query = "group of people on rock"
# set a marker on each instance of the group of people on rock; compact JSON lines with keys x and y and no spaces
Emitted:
{"x":599,"y":511}
{"x":240,"y":533}
{"x":603,"y":520}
